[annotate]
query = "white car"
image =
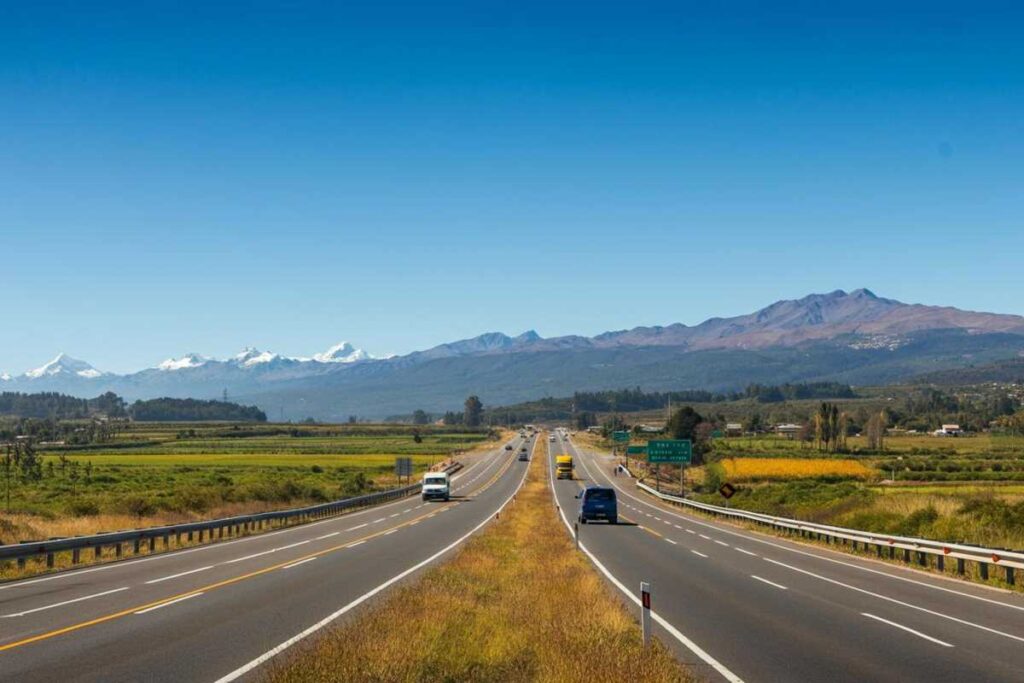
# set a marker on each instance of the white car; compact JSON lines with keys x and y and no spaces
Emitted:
{"x":436,"y":486}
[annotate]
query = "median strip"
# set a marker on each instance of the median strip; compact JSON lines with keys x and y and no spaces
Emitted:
{"x":511,"y":612}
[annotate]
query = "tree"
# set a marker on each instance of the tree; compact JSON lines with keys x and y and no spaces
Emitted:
{"x":474,"y":410}
{"x":452,"y":418}
{"x":875,"y":430}
{"x":420,"y":417}
{"x":683,"y":423}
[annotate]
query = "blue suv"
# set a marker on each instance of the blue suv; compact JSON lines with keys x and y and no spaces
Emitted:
{"x":598,"y":502}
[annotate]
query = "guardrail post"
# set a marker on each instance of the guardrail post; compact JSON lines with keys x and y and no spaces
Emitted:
{"x":940,"y":563}
{"x":983,"y":569}
{"x":152,"y":544}
{"x":906,"y":554}
{"x":960,"y":566}
{"x":49,"y":560}
{"x":118,"y":551}
{"x":922,"y":558}
{"x":135,"y":546}
{"x":167,"y":541}
{"x":190,"y":536}
{"x":75,"y":556}
{"x":21,"y":563}
{"x":97,"y":551}
{"x":1010,"y":578}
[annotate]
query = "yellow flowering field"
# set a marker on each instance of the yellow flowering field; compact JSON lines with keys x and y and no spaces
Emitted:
{"x":750,"y":469}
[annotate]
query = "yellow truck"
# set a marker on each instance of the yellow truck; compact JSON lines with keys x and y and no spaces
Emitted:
{"x":563,"y":467}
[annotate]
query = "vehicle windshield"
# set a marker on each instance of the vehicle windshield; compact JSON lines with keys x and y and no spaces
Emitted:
{"x":600,"y":495}
{"x":435,"y":481}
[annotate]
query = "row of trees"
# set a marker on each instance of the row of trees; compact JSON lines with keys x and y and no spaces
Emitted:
{"x":21,"y":464}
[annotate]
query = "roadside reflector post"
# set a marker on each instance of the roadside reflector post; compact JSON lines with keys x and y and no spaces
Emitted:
{"x":645,"y":611}
{"x":576,"y":534}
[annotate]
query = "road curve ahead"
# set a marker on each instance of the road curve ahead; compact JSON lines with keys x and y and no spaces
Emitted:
{"x":739,"y":605}
{"x":216,"y":612}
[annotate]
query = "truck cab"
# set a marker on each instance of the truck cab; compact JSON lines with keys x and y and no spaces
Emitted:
{"x":563,"y":467}
{"x":436,"y":486}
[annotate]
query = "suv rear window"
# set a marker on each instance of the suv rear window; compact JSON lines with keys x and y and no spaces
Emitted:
{"x":601,"y":494}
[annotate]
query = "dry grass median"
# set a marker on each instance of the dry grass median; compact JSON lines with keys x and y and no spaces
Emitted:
{"x":517,"y":603}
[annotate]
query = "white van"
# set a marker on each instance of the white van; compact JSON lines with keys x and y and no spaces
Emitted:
{"x":436,"y":486}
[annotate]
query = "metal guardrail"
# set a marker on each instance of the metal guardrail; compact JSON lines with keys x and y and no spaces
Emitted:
{"x":986,"y":558}
{"x":206,"y":530}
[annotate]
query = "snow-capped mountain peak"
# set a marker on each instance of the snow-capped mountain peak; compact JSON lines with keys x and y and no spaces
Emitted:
{"x":64,"y":365}
{"x":341,"y":353}
{"x":251,"y":356}
{"x":4,"y":377}
{"x":189,"y":360}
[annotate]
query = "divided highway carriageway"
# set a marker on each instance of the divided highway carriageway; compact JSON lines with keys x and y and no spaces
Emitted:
{"x":743,"y":606}
{"x":218,"y":612}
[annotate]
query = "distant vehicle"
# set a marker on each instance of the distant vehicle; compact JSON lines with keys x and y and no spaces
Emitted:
{"x":524,"y":455}
{"x":551,"y":438}
{"x":436,"y":486}
{"x":563,"y":467}
{"x":508,"y":447}
{"x":598,"y":502}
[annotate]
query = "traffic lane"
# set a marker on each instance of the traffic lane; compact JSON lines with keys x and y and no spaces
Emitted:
{"x":987,"y":608}
{"x":17,"y":595}
{"x":725,"y":611}
{"x":22,"y":619}
{"x":223,"y":628}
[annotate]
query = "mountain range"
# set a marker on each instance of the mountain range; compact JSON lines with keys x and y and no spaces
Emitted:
{"x":855,"y":337}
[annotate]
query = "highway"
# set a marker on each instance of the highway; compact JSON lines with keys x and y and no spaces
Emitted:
{"x":218,"y":612}
{"x":742,"y":606}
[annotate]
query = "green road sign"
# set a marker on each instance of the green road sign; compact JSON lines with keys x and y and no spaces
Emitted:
{"x":670,"y":450}
{"x":620,"y":436}
{"x":636,"y":450}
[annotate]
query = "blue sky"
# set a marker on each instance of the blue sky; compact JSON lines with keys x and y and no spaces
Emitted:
{"x":289,"y":175}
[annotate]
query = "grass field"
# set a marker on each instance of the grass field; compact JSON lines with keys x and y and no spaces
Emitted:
{"x":166,"y":473}
{"x":530,"y":605}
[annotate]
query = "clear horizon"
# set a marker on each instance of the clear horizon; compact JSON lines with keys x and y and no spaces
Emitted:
{"x":398,"y":176}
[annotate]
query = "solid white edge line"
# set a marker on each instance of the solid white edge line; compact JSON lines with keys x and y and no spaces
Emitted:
{"x":174,"y":576}
{"x":770,"y":583}
{"x":169,"y":602}
{"x":246,"y":668}
{"x":673,"y":631}
{"x":907,"y":629}
{"x":66,"y":602}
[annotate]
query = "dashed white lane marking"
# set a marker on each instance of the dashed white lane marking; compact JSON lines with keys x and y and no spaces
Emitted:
{"x":706,"y":538}
{"x":722,"y":543}
{"x":678,"y":527}
{"x":698,"y":553}
{"x":353,"y":545}
{"x":292,"y":545}
{"x":357,"y":527}
{"x":66,"y":602}
{"x":296,"y":564}
{"x":671,"y":541}
{"x":378,"y":521}
{"x":249,"y":557}
{"x":174,"y":576}
{"x":394,"y":515}
{"x":908,"y":630}
{"x":169,"y":602}
{"x":746,"y":552}
{"x":406,"y":511}
{"x":897,"y":602}
{"x":770,"y":583}
{"x":690,"y":531}
{"x":333,"y":533}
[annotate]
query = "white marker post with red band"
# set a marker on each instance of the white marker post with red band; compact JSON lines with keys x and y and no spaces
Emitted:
{"x":645,"y":611}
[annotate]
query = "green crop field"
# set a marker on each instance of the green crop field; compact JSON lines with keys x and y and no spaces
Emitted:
{"x":161,"y":473}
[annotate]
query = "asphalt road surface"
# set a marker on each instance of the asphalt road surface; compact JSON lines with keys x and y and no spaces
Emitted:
{"x":739,"y":605}
{"x":217,"y":612}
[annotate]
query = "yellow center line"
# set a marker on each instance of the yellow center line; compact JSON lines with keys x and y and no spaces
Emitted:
{"x":237,"y":579}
